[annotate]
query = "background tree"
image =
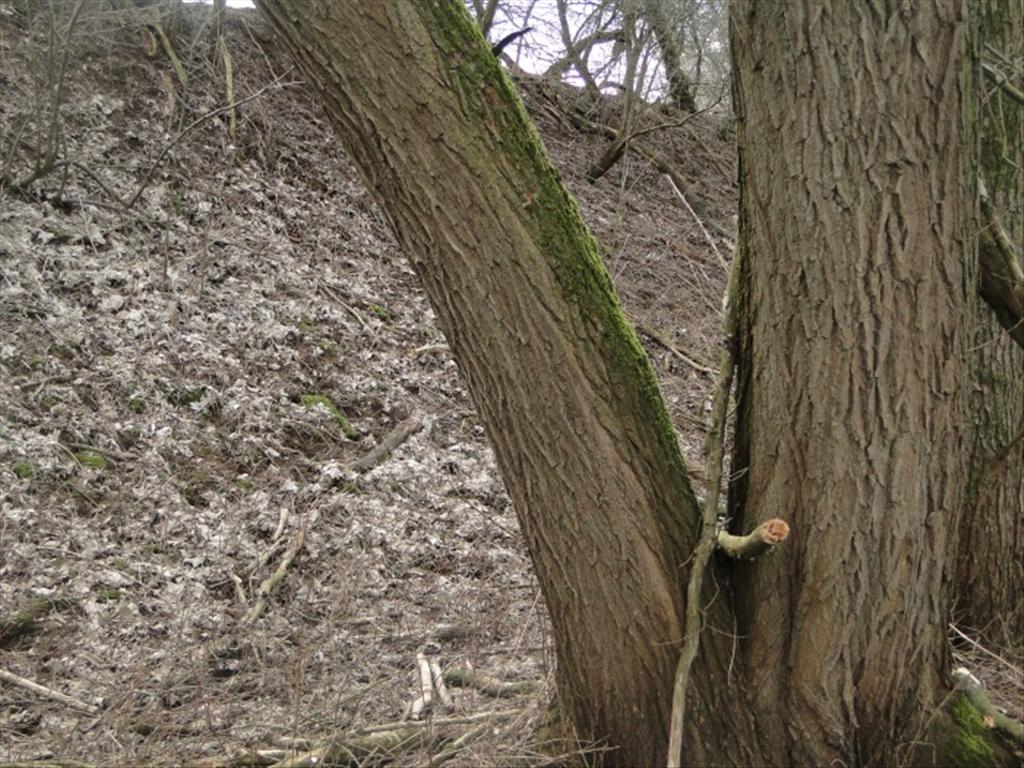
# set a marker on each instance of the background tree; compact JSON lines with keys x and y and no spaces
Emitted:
{"x":668,"y":22}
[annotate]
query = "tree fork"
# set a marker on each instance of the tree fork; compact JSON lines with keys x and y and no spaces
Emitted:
{"x":559,"y":378}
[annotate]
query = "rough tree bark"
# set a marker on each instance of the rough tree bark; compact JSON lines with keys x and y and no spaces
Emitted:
{"x":857,"y":220}
{"x":559,"y":379}
{"x":990,"y":580}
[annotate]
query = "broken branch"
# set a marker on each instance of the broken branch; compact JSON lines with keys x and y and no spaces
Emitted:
{"x":468,"y":678}
{"x":1002,"y":280}
{"x":426,"y":700}
{"x":756,"y":543}
{"x":392,"y":440}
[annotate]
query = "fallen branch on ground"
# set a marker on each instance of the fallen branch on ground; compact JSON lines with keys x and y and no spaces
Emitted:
{"x":388,"y":443}
{"x":353,"y":749}
{"x":272,"y":582}
{"x":703,"y":229}
{"x":426,"y":698}
{"x":49,"y":693}
{"x":439,"y":686}
{"x":488,"y":686}
{"x":439,"y":722}
{"x":245,"y":758}
{"x":664,"y":342}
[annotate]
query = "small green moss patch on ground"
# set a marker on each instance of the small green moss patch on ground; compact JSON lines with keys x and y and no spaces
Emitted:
{"x":137,"y":405}
{"x":23,"y":469}
{"x":61,"y":351}
{"x":313,"y":400}
{"x":91,"y":459}
{"x":105,"y":594}
{"x":28,"y":619}
{"x":380,"y":312}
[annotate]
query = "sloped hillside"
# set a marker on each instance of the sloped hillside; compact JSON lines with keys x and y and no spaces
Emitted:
{"x":189,"y":382}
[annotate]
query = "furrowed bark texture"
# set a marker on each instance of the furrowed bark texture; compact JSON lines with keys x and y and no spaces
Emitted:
{"x":560,"y":381}
{"x":856,"y":218}
{"x":990,"y":581}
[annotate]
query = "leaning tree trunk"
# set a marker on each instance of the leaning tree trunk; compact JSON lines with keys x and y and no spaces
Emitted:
{"x":856,"y":201}
{"x":559,"y":380}
{"x":990,"y":580}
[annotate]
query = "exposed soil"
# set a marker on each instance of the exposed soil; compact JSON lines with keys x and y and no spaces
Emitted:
{"x":184,"y":386}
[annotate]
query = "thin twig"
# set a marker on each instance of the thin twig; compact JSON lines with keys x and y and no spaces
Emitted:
{"x":439,"y":722}
{"x":679,"y":124}
{"x":655,"y":336}
{"x":332,"y":294}
{"x":45,"y":165}
{"x":707,"y":236}
{"x":282,"y":519}
{"x":983,"y":649}
{"x":108,"y":452}
{"x":1003,"y":82}
{"x":706,"y":542}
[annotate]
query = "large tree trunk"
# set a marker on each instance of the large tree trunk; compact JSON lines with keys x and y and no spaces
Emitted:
{"x":563,"y":387}
{"x":856,"y":218}
{"x":990,"y":581}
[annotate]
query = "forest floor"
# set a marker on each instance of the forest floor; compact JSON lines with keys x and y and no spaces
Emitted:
{"x":187,"y":382}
